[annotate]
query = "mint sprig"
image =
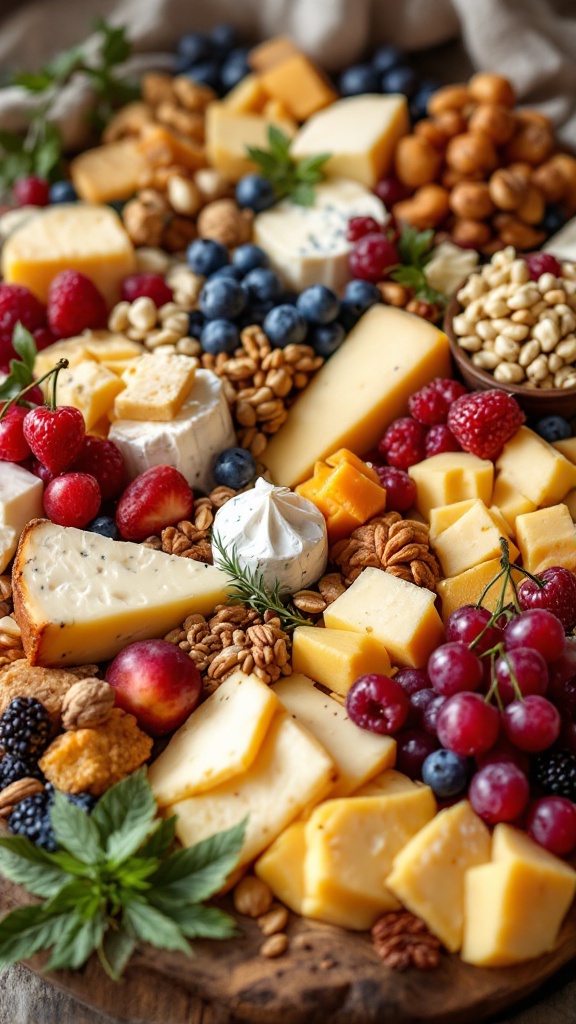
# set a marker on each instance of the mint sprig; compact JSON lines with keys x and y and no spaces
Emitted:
{"x":115,"y":881}
{"x":291,"y":178}
{"x":20,"y":370}
{"x":415,"y":251}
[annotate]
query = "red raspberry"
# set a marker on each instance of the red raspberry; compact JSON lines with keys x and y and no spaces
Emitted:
{"x":13,"y":445}
{"x":483,"y":421}
{"x":440,"y":439}
{"x":431,"y":403}
{"x":55,"y":436}
{"x":17,"y":304}
{"x":72,"y":499}
{"x":43,"y":337}
{"x":360,"y":226}
{"x":542,"y":263}
{"x":75,"y":304}
{"x":390,"y":191}
{"x":103,"y":460}
{"x":400,"y":488}
{"x":403,"y":443}
{"x":151,"y":286}
{"x":372,"y":256}
{"x":31,"y":191}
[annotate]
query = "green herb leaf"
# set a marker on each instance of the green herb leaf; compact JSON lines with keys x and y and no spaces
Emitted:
{"x":77,"y":940}
{"x":414,"y":244}
{"x":25,"y":931}
{"x":195,"y":874}
{"x":116,"y":47}
{"x":161,"y":840}
{"x":48,"y":152}
{"x":310,"y":169}
{"x":26,"y":864}
{"x":150,"y":925}
{"x":115,"y":951}
{"x":290,"y":178}
{"x":34,"y":82}
{"x":24,"y":344}
{"x":78,"y":895}
{"x":302,"y":194}
{"x":124,"y":816}
{"x":75,"y":830}
{"x":199,"y":922}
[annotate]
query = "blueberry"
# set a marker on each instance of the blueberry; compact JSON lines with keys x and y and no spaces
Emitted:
{"x":284,"y":325}
{"x":248,"y":257}
{"x":255,"y":192}
{"x":261,"y":285}
{"x":62,"y":192}
{"x":204,"y":256}
{"x":358,"y":79}
{"x":348,"y":318}
{"x":194,"y":47}
{"x":104,"y":526}
{"x":227,"y":271}
{"x":445,"y":772}
{"x":359,"y":296}
{"x":326,"y":338}
{"x":234,"y":69}
{"x":257,"y":313}
{"x":206,"y":72}
{"x":221,"y":298}
{"x":419,"y":102}
{"x":554,"y":218}
{"x":223,"y":38}
{"x":553,"y":428}
{"x":402,"y":79}
{"x":387,"y":57}
{"x":220,"y":336}
{"x":196,"y":322}
{"x":319,"y":304}
{"x":235,"y":468}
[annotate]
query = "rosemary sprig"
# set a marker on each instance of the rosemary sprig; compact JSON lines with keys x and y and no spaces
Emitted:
{"x":248,"y":587}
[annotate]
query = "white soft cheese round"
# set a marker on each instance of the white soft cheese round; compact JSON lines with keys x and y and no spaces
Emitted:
{"x":275,"y":533}
{"x":190,"y":442}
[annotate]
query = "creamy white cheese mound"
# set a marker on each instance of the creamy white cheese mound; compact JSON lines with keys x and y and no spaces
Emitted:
{"x":276,"y":533}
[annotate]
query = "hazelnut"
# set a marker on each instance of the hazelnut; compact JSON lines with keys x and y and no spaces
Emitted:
{"x":417,"y":162}
{"x":470,"y":234}
{"x":535,"y":117}
{"x":508,"y":189}
{"x":471,"y":200}
{"x":552,"y":181}
{"x":486,"y":87}
{"x":496,"y":121}
{"x":450,"y":178}
{"x":433,"y":134}
{"x":512,"y":231}
{"x":471,"y":151}
{"x":532,"y":209}
{"x":450,"y":97}
{"x":451,"y":122}
{"x":531,"y":143}
{"x":427,"y":208}
{"x":157,"y":87}
{"x":225,"y":222}
{"x":565,"y":165}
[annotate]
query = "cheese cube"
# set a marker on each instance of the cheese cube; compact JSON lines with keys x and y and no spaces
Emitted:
{"x":469,"y":586}
{"x":228,"y":134}
{"x":535,"y":468}
{"x":8,"y":545}
{"x":102,"y":346}
{"x":20,"y":496}
{"x":350,"y":846}
{"x":352,"y":492}
{"x":400,"y":615}
{"x":359,"y":132}
{"x":282,"y":866}
{"x":445,"y":515}
{"x":428,"y":873}
{"x":298,"y":84}
{"x":451,"y":477}
{"x":566,"y":447}
{"x":292,"y":771}
{"x":108,"y":172}
{"x":358,"y":756}
{"x":336,"y":657}
{"x":270,"y":52}
{"x":161,"y":147}
{"x":510,"y":501}
{"x":87,"y":238}
{"x":156,"y":387}
{"x":546,"y":537}
{"x":473,"y":538}
{"x":248,"y":97}
{"x":347,"y":406}
{"x":524,"y":884}
{"x":89,"y":387}
{"x":570,"y":502}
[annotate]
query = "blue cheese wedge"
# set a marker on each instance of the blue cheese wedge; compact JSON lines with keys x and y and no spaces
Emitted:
{"x":80,"y":597}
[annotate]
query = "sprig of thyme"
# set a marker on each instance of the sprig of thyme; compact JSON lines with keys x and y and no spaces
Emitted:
{"x":291,"y":178}
{"x":248,"y":587}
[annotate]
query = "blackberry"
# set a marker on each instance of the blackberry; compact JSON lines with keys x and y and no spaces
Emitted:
{"x":31,"y":818}
{"x":13,"y":768}
{"x":555,"y":772}
{"x":84,"y":800}
{"x":25,"y":728}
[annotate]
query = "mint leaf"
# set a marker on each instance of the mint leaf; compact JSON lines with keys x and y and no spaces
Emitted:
{"x":199,"y":922}
{"x":302,"y":194}
{"x":124,"y":816}
{"x":24,"y":344}
{"x":310,"y":169}
{"x":75,"y":830}
{"x":48,"y":152}
{"x":34,"y":82}
{"x":279,"y":144}
{"x":26,"y":864}
{"x":135,"y":872}
{"x":10,"y":142}
{"x":25,"y":931}
{"x":413,"y":244}
{"x":196,"y":873}
{"x":149,"y":925}
{"x":78,"y":938}
{"x":115,"y":48}
{"x":115,"y":951}
{"x":158,"y":844}
{"x":76,"y":896}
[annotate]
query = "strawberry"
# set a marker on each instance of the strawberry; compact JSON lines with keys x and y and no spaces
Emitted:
{"x":159,"y":497}
{"x":55,"y":436}
{"x":483,"y":421}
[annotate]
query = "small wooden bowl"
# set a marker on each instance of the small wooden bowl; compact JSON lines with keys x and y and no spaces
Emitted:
{"x":536,"y":402}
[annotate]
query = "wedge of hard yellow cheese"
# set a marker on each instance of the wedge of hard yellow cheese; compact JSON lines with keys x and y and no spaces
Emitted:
{"x":73,"y":236}
{"x":358,"y":392}
{"x":336,"y":657}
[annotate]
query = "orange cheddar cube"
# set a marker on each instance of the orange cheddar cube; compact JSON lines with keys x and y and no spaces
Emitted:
{"x":345,"y":455}
{"x":347,"y":487}
{"x":163,"y":147}
{"x":311,"y":488}
{"x":271,"y":52}
{"x":108,"y":172}
{"x":299,"y":85}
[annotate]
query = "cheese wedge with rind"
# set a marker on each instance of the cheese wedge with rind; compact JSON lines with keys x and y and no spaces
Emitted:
{"x":80,"y":597}
{"x":218,"y":741}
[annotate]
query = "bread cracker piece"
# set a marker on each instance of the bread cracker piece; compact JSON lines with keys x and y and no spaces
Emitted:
{"x":48,"y":685}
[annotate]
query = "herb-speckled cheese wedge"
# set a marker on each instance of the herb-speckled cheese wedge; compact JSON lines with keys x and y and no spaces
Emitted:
{"x":79,"y":597}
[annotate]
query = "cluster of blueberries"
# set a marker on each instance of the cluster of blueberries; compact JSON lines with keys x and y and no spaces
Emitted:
{"x":242,"y":289}
{"x":389,"y":71}
{"x":214,"y":58}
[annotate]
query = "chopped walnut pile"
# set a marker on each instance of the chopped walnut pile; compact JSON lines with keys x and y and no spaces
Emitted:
{"x":399,"y":546}
{"x":403,"y":940}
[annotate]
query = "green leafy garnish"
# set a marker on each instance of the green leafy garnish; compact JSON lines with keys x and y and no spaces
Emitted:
{"x":290,"y":178}
{"x":115,"y":881}
{"x":248,"y":587}
{"x":20,"y":370}
{"x":415,"y":251}
{"x":39,"y":151}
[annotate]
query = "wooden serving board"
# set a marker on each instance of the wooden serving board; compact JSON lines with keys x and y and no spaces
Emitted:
{"x":329,"y":976}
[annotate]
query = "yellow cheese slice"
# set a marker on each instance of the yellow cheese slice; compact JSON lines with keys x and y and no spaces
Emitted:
{"x":102,"y":346}
{"x":336,"y":657}
{"x":451,"y":477}
{"x":469,"y":586}
{"x":108,"y":172}
{"x":473,"y":537}
{"x":89,"y":387}
{"x":228,"y":134}
{"x":535,"y":468}
{"x":282,"y":866}
{"x":546,"y":537}
{"x":156,"y":386}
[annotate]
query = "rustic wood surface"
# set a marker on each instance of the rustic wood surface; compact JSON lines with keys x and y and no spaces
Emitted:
{"x":334,"y":978}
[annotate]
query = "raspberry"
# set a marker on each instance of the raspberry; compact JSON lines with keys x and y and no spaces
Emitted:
{"x":400,"y":488}
{"x":43,"y":337}
{"x":440,"y":439}
{"x":31,"y":191}
{"x":372,"y":256}
{"x":74,"y":305}
{"x":360,"y":226}
{"x":17,"y":304}
{"x":72,"y":499}
{"x":431,"y":403}
{"x":25,"y":728}
{"x":403,"y":443}
{"x":542,"y":263}
{"x":103,"y":460}
{"x":483,"y":421}
{"x":148,"y":285}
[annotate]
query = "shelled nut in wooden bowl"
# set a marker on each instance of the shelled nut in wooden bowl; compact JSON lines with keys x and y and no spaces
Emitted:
{"x":514,"y":329}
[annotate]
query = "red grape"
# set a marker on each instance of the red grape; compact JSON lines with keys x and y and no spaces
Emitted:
{"x":467,"y":725}
{"x":400,"y":488}
{"x":532,"y":724}
{"x":552,"y":823}
{"x":466,"y":624}
{"x":539,"y":629}
{"x":453,"y":667}
{"x":413,"y":747}
{"x":412,"y":680}
{"x":377,"y":703}
{"x":529,"y":668}
{"x":499,"y":792}
{"x":431,"y":712}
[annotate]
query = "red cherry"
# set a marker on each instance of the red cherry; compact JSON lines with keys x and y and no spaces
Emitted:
{"x":72,"y":499}
{"x":103,"y":460}
{"x":55,"y":436}
{"x":372,"y":256}
{"x":13,"y":445}
{"x":31,"y":191}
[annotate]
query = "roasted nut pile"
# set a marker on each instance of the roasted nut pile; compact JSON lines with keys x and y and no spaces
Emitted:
{"x":522,"y":331}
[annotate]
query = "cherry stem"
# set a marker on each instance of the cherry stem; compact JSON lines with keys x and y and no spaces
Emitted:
{"x":62,"y":364}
